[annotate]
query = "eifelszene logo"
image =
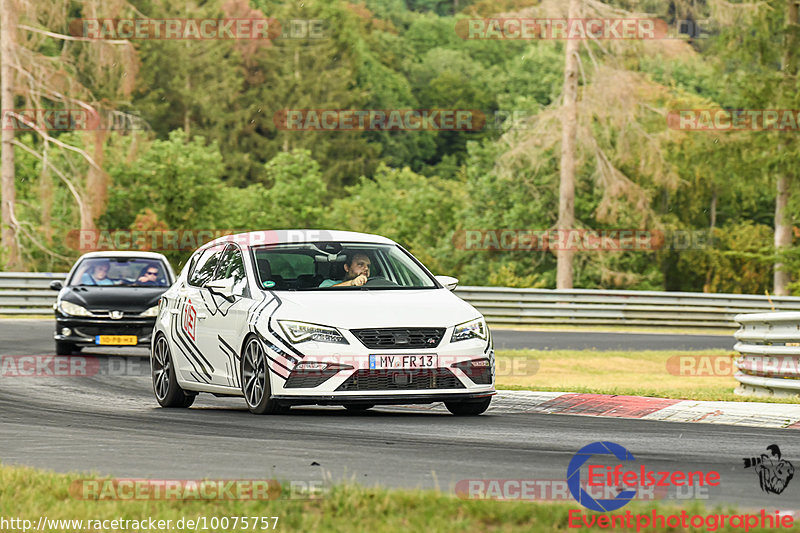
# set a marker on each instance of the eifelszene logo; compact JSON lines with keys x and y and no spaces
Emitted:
{"x":626,"y":482}
{"x":574,"y":476}
{"x":774,"y":473}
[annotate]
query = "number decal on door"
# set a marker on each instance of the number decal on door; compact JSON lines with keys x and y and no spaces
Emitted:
{"x":189,"y":319}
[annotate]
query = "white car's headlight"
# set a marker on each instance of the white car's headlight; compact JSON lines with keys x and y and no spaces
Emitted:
{"x":153,"y":311}
{"x":474,"y":329}
{"x":69,"y":308}
{"x":302,"y":331}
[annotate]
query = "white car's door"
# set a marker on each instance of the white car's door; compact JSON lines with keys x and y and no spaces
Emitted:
{"x":220,"y":334}
{"x":191,"y":352}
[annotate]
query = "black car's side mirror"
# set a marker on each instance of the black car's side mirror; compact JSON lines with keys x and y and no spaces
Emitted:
{"x":56,"y":285}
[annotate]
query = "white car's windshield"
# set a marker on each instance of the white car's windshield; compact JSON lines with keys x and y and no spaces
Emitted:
{"x":120,"y":271}
{"x":338,"y":266}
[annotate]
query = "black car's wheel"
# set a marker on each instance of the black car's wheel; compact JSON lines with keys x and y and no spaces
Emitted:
{"x":468,"y":408}
{"x":165,"y":384}
{"x":358,"y":407}
{"x":255,"y":380}
{"x":66,"y":348}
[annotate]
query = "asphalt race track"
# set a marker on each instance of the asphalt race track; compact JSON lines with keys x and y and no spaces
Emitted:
{"x":109,"y":423}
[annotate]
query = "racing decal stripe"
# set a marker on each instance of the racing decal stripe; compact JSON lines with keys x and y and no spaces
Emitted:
{"x":188,"y":356}
{"x":193,"y":350}
{"x":275,"y":371}
{"x":228,"y":346}
{"x":182,"y":345}
{"x":226,"y":349}
{"x":269,"y":327}
{"x":261,"y":310}
{"x":193,"y":347}
{"x":277,"y":349}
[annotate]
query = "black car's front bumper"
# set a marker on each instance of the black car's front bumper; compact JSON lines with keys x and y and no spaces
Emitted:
{"x":84,"y":330}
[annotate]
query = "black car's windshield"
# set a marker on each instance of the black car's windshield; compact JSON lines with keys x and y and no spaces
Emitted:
{"x":338,"y":266}
{"x":120,"y":271}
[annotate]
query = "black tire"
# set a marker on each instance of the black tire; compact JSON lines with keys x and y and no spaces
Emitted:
{"x":255,"y":380}
{"x":65,"y":348}
{"x":358,"y":407}
{"x":468,"y":408}
{"x":165,"y":384}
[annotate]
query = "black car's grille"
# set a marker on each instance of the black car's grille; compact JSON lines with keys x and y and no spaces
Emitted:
{"x":308,"y":379}
{"x":393,"y":380}
{"x":400,"y":337}
{"x":113,"y":329}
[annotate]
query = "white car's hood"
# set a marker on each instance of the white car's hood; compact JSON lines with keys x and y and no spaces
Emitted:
{"x":352,"y":309}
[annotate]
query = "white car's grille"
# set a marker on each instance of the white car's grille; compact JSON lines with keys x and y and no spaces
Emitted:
{"x":383,"y":380}
{"x":400,"y":337}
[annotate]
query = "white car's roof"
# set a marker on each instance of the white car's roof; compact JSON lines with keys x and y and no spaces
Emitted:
{"x":124,"y":253}
{"x":288,"y":236}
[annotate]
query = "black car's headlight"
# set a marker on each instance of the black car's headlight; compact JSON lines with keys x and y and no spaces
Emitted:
{"x":474,"y":329}
{"x":153,"y":311}
{"x":69,"y":308}
{"x":298,"y":332}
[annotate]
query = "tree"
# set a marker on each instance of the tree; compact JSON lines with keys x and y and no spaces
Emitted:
{"x":783,"y":222}
{"x":47,"y":69}
{"x":8,"y":198}
{"x":569,"y":126}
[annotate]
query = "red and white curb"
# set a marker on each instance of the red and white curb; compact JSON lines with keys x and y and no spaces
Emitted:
{"x":756,"y":414}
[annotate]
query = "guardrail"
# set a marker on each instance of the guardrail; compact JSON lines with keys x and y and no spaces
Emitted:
{"x":769,"y":344}
{"x":28,"y":294}
{"x":505,"y":306}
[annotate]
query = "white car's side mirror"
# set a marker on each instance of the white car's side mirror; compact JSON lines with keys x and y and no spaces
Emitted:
{"x":448,"y":281}
{"x":223,"y":287}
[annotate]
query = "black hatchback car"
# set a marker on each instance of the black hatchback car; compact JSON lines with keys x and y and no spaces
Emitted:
{"x":110,"y":299}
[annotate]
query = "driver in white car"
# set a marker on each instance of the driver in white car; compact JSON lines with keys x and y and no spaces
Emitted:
{"x":356,"y":272}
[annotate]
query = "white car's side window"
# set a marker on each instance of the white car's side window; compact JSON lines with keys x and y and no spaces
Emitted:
{"x":203,"y":271}
{"x":231,"y":265}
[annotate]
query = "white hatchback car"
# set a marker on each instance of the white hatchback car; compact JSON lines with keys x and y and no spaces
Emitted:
{"x":301,"y":317}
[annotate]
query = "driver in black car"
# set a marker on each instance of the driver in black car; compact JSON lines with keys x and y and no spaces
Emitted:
{"x":148,"y":276}
{"x":356,"y":272}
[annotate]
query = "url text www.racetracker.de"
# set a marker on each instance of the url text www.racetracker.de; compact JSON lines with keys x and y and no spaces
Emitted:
{"x":195,"y":523}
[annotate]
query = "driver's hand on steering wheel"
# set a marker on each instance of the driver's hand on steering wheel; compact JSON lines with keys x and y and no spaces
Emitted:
{"x":358,"y":280}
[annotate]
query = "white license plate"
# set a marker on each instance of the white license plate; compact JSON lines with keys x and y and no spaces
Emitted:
{"x":403,"y":361}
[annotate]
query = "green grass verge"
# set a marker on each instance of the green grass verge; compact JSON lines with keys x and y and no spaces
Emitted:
{"x":645,"y":373}
{"x":667,"y":330}
{"x":29,"y":493}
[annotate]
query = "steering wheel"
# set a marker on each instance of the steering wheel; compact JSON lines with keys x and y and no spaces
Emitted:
{"x":379,"y":281}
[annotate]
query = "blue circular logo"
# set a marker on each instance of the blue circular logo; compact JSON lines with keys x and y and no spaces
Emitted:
{"x":574,"y":476}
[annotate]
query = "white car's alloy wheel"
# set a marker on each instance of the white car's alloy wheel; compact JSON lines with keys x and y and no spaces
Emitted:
{"x":165,"y":385}
{"x":254,"y":373}
{"x":255,"y":380}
